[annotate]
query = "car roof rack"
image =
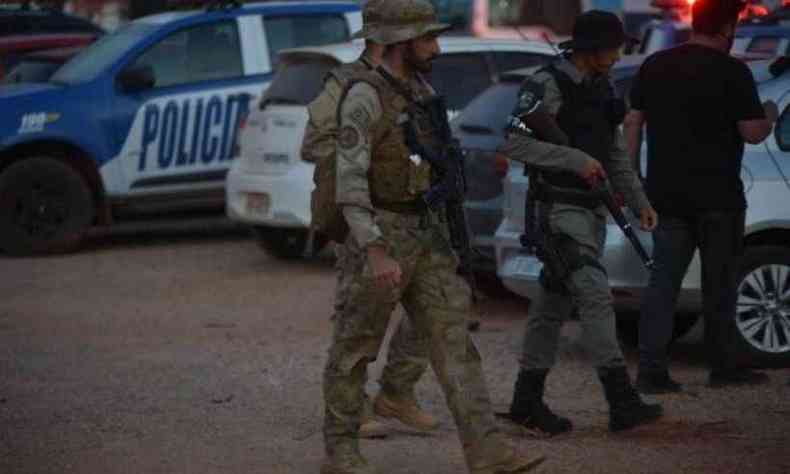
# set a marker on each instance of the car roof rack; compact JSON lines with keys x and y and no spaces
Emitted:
{"x":221,"y":5}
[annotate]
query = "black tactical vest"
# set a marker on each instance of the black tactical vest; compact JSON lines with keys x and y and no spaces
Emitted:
{"x":589,"y":115}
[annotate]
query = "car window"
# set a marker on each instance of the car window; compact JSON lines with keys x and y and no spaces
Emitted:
{"x":460,"y":77}
{"x":487,"y":113}
{"x":298,"y":82}
{"x":511,"y":60}
{"x":763,"y":44}
{"x":201,"y":53}
{"x":30,"y":71}
{"x":284,"y":32}
{"x":782,"y":130}
{"x":87,"y":65}
{"x":64,"y":24}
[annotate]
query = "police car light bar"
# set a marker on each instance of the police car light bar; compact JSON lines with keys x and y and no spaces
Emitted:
{"x":672,"y":4}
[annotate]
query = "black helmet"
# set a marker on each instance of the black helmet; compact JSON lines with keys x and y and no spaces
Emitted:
{"x":597,"y":30}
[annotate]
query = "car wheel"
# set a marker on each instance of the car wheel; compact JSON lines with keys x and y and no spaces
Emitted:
{"x":628,"y":326}
{"x":288,"y":243}
{"x":45,"y":207}
{"x":762,"y":317}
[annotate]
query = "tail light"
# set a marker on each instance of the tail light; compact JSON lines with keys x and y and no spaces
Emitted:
{"x":236,"y":150}
{"x":501,"y":165}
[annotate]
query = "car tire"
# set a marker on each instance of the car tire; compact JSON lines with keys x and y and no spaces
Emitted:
{"x":288,"y":243}
{"x":628,"y":326}
{"x":762,"y":319}
{"x":45,"y":207}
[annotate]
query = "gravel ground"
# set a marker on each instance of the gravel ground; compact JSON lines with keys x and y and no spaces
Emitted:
{"x":202,"y":354}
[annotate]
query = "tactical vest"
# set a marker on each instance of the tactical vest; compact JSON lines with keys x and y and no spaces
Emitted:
{"x":589,"y":116}
{"x":394,"y":176}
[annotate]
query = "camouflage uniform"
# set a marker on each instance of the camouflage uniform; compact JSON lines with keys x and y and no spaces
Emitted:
{"x":407,"y":358}
{"x":379,"y":184}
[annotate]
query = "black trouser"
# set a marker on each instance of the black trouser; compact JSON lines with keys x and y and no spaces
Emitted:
{"x":719,"y":238}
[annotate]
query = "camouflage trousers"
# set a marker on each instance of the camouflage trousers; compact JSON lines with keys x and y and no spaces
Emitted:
{"x":589,"y":291}
{"x":407,"y":355}
{"x":437,"y":302}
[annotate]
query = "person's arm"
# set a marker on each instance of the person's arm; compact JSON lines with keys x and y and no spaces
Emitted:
{"x":754,"y":131}
{"x":636,"y":118}
{"x":360,"y":109}
{"x":353,"y":161}
{"x":755,"y":121}
{"x":545,"y":155}
{"x":625,"y":180}
{"x":632,"y":127}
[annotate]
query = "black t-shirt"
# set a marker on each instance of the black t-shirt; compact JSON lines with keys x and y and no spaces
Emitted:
{"x":693,"y":98}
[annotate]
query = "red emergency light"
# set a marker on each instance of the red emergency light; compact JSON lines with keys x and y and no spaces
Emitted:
{"x":672,"y":4}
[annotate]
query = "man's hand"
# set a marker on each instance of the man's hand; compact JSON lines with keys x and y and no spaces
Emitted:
{"x":648,"y":219}
{"x":386,"y":271}
{"x":593,"y":172}
{"x":771,"y":111}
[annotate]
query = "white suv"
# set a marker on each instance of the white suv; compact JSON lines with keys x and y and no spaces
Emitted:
{"x":269,"y":184}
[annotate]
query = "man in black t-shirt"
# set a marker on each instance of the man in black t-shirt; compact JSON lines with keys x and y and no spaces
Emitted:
{"x":700,"y":106}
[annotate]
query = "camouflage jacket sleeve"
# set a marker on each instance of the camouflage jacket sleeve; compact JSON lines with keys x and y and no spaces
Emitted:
{"x":622,"y":175}
{"x":540,"y":154}
{"x":359,"y":110}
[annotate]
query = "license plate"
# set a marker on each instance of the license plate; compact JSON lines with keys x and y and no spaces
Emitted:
{"x":258,"y":203}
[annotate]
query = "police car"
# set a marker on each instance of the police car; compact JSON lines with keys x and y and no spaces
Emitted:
{"x":763,"y":313}
{"x":143,"y":121}
{"x":269,"y":185}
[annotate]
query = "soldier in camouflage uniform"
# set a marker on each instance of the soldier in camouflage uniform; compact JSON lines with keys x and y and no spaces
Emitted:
{"x":407,"y":358}
{"x":576,"y":95}
{"x":396,"y":251}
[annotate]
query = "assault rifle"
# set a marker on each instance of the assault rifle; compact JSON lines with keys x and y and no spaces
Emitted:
{"x":542,"y":125}
{"x":448,"y":180}
{"x":605,"y":194}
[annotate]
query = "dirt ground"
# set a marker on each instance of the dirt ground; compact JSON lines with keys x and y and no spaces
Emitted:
{"x":203,"y":354}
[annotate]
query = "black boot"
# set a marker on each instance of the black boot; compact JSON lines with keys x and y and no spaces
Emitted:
{"x":656,"y":382}
{"x":626,"y":408}
{"x":528,"y":409}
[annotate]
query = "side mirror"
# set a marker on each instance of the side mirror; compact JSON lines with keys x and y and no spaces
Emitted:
{"x":136,"y":79}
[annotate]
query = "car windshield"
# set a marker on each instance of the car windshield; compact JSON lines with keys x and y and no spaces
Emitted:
{"x":487,"y":113}
{"x":298,"y":81}
{"x":87,"y":65}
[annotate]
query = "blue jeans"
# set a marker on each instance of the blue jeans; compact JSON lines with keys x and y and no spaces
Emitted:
{"x":719,"y":238}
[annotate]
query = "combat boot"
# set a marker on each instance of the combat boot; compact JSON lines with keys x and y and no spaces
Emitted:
{"x":626,"y":408}
{"x":404,"y":409}
{"x":370,"y":427}
{"x":344,"y":458}
{"x":528,"y":408}
{"x":498,"y":457}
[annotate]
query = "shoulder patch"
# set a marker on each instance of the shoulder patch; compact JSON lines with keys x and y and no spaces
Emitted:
{"x":530,"y":96}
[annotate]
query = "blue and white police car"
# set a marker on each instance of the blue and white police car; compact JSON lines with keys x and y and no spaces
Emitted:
{"x":144,"y":120}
